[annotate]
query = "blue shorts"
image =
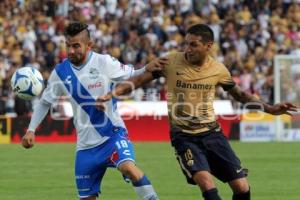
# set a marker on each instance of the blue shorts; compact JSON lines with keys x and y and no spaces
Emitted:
{"x":91,"y":164}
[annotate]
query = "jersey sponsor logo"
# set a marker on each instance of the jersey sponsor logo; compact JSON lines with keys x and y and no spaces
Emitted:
{"x":94,"y":85}
{"x":181,"y":84}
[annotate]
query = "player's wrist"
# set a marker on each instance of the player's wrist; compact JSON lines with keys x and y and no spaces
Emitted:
{"x":111,"y":95}
{"x":30,"y":131}
{"x":147,"y":68}
{"x":267,"y":108}
{"x":155,"y":72}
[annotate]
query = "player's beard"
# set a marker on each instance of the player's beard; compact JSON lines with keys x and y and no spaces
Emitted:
{"x":76,"y":59}
{"x":195,"y":59}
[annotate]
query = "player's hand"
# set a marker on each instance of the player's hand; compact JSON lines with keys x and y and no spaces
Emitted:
{"x":28,"y":139}
{"x":156,"y":64}
{"x":100,"y":101}
{"x":283,"y":108}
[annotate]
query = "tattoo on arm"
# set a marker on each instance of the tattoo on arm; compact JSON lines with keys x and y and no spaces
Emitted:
{"x":250,"y":101}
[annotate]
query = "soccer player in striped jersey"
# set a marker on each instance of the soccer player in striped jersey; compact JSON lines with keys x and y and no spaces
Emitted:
{"x":101,"y":136}
{"x":200,"y":146}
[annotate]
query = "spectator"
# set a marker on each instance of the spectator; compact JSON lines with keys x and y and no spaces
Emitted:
{"x":248,"y":34}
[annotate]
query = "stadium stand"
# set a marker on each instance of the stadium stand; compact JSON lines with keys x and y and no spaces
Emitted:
{"x":248,"y":35}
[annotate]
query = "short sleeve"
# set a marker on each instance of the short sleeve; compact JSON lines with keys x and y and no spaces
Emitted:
{"x":116,"y":70}
{"x":171,"y":59}
{"x":225,"y":80}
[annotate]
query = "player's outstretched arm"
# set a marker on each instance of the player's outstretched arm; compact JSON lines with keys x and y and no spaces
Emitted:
{"x":125,"y":88}
{"x":153,"y":71}
{"x":251,"y":102}
{"x":157,"y":64}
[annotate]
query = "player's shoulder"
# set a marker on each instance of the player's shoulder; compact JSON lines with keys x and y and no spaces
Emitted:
{"x":105,"y":57}
{"x":215,"y":63}
{"x":175,"y":57}
{"x":62,"y":63}
{"x":61,"y":66}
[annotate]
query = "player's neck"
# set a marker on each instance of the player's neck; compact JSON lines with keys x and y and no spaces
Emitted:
{"x":202,"y":62}
{"x":198,"y":64}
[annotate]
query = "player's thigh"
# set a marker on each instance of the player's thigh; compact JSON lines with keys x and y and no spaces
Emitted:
{"x":190,"y":156}
{"x":90,"y":167}
{"x":122,"y":151}
{"x":224,"y":163}
{"x":204,"y":179}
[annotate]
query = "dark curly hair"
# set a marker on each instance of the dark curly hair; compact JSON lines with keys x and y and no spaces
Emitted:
{"x":76,"y":27}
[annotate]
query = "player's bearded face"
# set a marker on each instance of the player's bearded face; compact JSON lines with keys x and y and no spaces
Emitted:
{"x":77,"y":50}
{"x":76,"y":58}
{"x":195,"y":49}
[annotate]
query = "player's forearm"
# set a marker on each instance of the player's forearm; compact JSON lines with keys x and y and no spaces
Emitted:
{"x":250,"y":101}
{"x":139,"y":72}
{"x":39,"y":113}
{"x":253,"y":103}
{"x":132,"y":84}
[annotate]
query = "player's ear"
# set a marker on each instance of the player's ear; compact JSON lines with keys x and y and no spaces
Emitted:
{"x":209,"y":45}
{"x":90,"y":44}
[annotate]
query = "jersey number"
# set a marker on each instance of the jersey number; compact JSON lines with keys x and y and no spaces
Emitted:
{"x":122,"y":144}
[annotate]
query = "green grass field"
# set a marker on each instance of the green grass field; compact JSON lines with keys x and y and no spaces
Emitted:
{"x":46,"y":173}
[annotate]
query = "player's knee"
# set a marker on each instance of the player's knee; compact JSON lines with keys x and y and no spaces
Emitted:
{"x":243,"y":188}
{"x":128,"y":173}
{"x":131,"y":171}
{"x":206,"y":185}
{"x":240,"y":186}
{"x":204,"y":180}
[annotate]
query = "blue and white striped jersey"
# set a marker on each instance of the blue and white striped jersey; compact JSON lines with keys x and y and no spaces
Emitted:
{"x":83,"y":85}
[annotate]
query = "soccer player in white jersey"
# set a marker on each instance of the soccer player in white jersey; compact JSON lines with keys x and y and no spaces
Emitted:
{"x":101,"y":136}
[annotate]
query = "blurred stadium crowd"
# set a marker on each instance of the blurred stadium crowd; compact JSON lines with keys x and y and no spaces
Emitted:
{"x":248,"y":33}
